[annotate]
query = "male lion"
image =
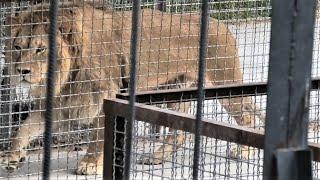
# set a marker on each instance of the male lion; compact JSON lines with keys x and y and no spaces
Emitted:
{"x":93,"y":64}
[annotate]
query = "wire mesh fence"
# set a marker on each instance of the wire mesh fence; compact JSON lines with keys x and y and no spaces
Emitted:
{"x":94,"y":43}
{"x":162,"y":152}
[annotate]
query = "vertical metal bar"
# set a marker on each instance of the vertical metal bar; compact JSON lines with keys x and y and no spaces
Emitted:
{"x":295,"y":165}
{"x":288,"y":88}
{"x":113,"y":147}
{"x":132,"y":86}
{"x":5,"y":119}
{"x":201,"y":81}
{"x":161,"y":5}
{"x":118,"y":153}
{"x":108,"y":147}
{"x":53,"y":12}
{"x":4,"y":95}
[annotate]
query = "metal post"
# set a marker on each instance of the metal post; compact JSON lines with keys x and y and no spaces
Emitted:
{"x":52,"y":58}
{"x":286,"y":154}
{"x":161,"y":5}
{"x":201,"y":74}
{"x":113,"y":147}
{"x":135,"y":37}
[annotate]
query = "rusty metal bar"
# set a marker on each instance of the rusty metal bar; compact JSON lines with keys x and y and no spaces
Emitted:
{"x":186,"y":122}
{"x":190,"y":94}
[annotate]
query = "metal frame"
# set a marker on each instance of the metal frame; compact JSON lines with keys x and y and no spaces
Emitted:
{"x":117,"y":111}
{"x":190,"y":94}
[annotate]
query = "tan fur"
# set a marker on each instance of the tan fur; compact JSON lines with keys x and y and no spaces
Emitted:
{"x":93,"y":64}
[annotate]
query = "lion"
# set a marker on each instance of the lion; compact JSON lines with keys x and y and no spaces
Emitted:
{"x":93,"y":65}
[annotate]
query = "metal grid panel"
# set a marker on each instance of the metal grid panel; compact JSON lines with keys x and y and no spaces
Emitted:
{"x":177,"y":162}
{"x":252,"y":36}
{"x":218,"y":159}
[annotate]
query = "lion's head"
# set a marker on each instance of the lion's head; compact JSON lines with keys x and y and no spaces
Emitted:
{"x":26,"y":51}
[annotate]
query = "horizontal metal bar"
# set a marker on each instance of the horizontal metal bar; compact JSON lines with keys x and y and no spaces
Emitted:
{"x":190,"y":94}
{"x":181,"y":121}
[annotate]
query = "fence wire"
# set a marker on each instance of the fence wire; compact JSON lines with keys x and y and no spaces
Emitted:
{"x":168,"y":35}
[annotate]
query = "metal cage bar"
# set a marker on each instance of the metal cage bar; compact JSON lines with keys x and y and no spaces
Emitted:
{"x":52,"y":58}
{"x":201,"y":81}
{"x":135,"y":37}
{"x":286,"y":154}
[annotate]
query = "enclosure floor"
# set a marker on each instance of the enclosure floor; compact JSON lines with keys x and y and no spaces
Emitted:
{"x":63,"y":166}
{"x":64,"y":163}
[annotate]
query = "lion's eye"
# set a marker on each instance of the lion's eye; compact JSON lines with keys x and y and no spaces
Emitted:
{"x":41,"y":49}
{"x":17,"y":47}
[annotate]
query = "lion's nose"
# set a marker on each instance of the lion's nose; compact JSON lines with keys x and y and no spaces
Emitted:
{"x":23,"y":71}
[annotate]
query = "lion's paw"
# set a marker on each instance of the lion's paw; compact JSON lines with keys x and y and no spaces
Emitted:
{"x":11,"y":161}
{"x":150,"y":159}
{"x":244,"y":152}
{"x":90,"y":166}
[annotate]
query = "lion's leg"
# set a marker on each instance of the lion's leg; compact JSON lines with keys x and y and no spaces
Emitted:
{"x":92,"y":163}
{"x":30,"y":129}
{"x":243,"y":110}
{"x":228,"y":71}
{"x":171,"y":143}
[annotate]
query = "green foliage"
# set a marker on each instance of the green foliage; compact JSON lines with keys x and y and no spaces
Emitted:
{"x":242,"y":9}
{"x":223,"y":9}
{"x":220,"y":9}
